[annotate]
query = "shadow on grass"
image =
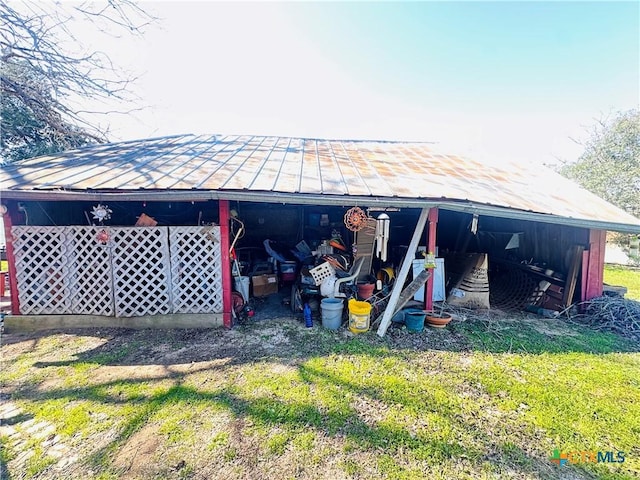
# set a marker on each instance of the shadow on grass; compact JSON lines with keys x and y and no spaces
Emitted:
{"x":16,"y":419}
{"x":294,"y":343}
{"x":337,"y":422}
{"x":123,"y":347}
{"x":168,"y":348}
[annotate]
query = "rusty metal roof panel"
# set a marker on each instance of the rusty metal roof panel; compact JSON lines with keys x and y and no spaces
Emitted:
{"x":303,"y":166}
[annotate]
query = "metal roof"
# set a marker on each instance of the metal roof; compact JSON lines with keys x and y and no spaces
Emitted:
{"x":304,"y":170}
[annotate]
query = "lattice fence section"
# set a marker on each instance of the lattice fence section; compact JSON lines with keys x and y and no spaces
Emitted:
{"x":42,"y":269}
{"x":137,"y":271}
{"x":196,"y":269}
{"x":141,"y":272}
{"x":91,"y":283}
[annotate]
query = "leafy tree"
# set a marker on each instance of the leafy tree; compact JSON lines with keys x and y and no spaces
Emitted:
{"x":44,"y":71}
{"x":610,"y":164}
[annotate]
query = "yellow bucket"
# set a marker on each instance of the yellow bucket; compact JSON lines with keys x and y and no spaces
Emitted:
{"x":359,"y":313}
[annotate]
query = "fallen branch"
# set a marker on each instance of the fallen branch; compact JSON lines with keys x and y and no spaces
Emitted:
{"x":615,"y":314}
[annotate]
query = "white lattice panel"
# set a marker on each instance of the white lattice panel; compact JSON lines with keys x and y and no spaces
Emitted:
{"x":141,"y":272}
{"x":196,"y":269}
{"x":65,"y":270}
{"x":42,"y":269}
{"x":91,"y":276}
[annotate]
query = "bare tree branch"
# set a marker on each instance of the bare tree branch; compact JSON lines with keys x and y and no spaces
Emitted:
{"x":40,"y":73}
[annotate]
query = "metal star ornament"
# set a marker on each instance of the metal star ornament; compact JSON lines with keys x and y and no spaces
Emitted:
{"x":101,"y":212}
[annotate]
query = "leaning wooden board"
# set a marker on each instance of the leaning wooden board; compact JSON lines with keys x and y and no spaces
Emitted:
{"x":366,"y":239}
{"x":409,"y":291}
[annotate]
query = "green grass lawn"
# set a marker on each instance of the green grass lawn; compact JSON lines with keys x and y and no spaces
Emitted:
{"x":479,"y":399}
{"x":627,"y":277}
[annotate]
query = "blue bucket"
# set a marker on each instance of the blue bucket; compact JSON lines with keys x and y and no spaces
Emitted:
{"x":414,"y":319}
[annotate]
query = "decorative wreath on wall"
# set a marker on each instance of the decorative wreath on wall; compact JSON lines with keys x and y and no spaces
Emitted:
{"x":103,"y":237}
{"x":355,"y":219}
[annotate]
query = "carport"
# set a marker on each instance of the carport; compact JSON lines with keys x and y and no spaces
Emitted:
{"x":192,"y":185}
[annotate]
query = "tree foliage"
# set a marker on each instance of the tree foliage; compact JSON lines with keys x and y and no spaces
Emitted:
{"x":610,"y":164}
{"x":46,"y":73}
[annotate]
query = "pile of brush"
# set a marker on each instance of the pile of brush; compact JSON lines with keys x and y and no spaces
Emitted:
{"x":615,"y":314}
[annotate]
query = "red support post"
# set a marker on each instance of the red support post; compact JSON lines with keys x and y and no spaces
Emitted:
{"x":227,"y":288}
{"x":11,"y":260}
{"x":595,"y":268}
{"x":583,"y":275}
{"x":431,"y":247}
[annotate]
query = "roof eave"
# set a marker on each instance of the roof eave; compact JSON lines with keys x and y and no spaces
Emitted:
{"x":313,"y":199}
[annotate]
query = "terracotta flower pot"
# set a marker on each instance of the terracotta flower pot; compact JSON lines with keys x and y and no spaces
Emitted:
{"x":438,"y":320}
{"x":365,"y":290}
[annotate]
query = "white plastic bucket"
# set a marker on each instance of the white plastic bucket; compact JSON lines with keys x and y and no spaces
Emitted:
{"x":331,"y":313}
{"x":242,"y":286}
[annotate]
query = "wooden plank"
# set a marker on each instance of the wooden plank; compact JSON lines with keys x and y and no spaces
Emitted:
{"x":223,"y":212}
{"x":11,"y":260}
{"x":402,"y":275}
{"x":584,"y":275}
{"x":407,"y":293}
{"x":431,"y":247}
{"x":596,"y":264}
{"x":412,"y":288}
{"x":366,"y":242}
{"x":572,"y":275}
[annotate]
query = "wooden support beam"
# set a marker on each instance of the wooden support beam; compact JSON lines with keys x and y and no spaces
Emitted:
{"x":227,"y":288}
{"x":11,"y":260}
{"x":595,"y":272}
{"x":431,"y":247}
{"x":402,"y":275}
{"x":584,"y":275}
{"x":572,"y":275}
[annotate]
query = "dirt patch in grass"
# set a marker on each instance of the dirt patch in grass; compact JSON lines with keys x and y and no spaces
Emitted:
{"x":136,"y":456}
{"x":546,"y":326}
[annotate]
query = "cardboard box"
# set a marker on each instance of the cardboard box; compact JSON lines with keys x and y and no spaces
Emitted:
{"x":264,"y":284}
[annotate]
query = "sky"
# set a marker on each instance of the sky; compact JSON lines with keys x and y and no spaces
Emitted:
{"x":496,"y":80}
